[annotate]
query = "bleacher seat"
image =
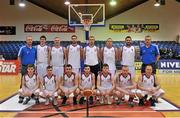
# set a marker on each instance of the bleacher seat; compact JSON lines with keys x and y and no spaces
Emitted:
{"x":168,"y":49}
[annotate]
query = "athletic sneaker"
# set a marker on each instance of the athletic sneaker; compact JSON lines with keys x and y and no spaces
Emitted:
{"x":74,"y":100}
{"x":64,"y":100}
{"x":55,"y":103}
{"x":130,"y":102}
{"x":21,"y":99}
{"x":81,"y":101}
{"x":91,"y":100}
{"x":26,"y":101}
{"x":47,"y":101}
{"x":36,"y":100}
{"x":102,"y":100}
{"x":152,"y":102}
{"x":109,"y":100}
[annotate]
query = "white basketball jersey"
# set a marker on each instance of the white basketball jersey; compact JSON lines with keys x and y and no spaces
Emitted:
{"x":86,"y":81}
{"x":109,"y":57}
{"x":42,"y":54}
{"x":128,"y":56}
{"x":30,"y":82}
{"x":57,"y":57}
{"x":49,"y":82}
{"x":91,"y":55}
{"x":69,"y":81}
{"x":74,"y":56}
{"x":125,"y":81}
{"x":105,"y":81}
{"x":148,"y":82}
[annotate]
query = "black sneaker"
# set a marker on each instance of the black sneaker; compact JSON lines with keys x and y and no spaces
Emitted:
{"x":152,"y":102}
{"x":74,"y":100}
{"x":21,"y":99}
{"x":141,"y":102}
{"x":64,"y":100}
{"x":91,"y":100}
{"x":33,"y":96}
{"x":81,"y":101}
{"x":26,"y":101}
{"x":36,"y":100}
{"x":130,"y":102}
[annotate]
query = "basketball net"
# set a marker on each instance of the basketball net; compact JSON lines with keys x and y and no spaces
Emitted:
{"x":87,"y":24}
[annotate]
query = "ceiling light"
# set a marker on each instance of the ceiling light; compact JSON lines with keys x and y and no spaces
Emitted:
{"x":157,"y":4}
{"x":22,"y":3}
{"x":113,"y":2}
{"x":67,"y":2}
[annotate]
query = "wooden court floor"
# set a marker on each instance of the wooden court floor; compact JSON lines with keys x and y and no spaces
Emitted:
{"x":169,"y":82}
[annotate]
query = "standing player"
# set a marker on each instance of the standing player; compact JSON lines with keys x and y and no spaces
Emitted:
{"x":43,"y":57}
{"x":125,"y":85}
{"x":91,"y":57}
{"x":150,"y":55}
{"x":127,"y":54}
{"x":105,"y":84}
{"x":110,"y":55}
{"x":69,"y":84}
{"x":149,"y":85}
{"x":49,"y":86}
{"x":74,"y":54}
{"x":58,"y":57}
{"x":30,"y":86}
{"x":86,"y":82}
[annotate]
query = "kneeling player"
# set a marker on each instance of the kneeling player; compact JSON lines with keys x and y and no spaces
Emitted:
{"x":69,"y":84}
{"x":30,"y":86}
{"x":105,"y":84}
{"x":125,"y":85}
{"x":86,"y":82}
{"x":49,"y":86}
{"x":149,"y":85}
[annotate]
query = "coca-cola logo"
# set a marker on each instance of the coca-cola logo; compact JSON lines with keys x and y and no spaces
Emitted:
{"x":48,"y":28}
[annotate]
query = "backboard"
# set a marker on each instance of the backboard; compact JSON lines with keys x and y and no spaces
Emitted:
{"x":93,"y":13}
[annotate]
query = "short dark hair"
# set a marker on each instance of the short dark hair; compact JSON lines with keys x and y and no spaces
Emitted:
{"x":49,"y":67}
{"x":69,"y":65}
{"x":149,"y":65}
{"x":30,"y":66}
{"x":128,"y":37}
{"x":73,"y":36}
{"x":43,"y":37}
{"x":86,"y":66}
{"x":105,"y":65}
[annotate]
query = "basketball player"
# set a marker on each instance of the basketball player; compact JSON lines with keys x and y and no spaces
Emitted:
{"x":30,"y":86}
{"x":127,"y":55}
{"x":92,"y":56}
{"x":69,"y":84}
{"x":58,"y":58}
{"x":74,"y":54}
{"x":43,"y":57}
{"x":109,"y":55}
{"x":149,"y":85}
{"x":49,"y":86}
{"x":86,"y":82}
{"x":105,"y":84}
{"x":125,"y":85}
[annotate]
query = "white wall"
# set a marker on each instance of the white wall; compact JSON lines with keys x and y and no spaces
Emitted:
{"x":13,"y":15}
{"x":168,"y":17}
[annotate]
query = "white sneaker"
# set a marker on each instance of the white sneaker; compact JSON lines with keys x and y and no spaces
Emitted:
{"x":102,"y":100}
{"x":55,"y":103}
{"x":47,"y":101}
{"x":109,"y":100}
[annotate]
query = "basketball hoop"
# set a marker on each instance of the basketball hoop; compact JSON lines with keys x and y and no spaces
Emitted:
{"x":87,"y":24}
